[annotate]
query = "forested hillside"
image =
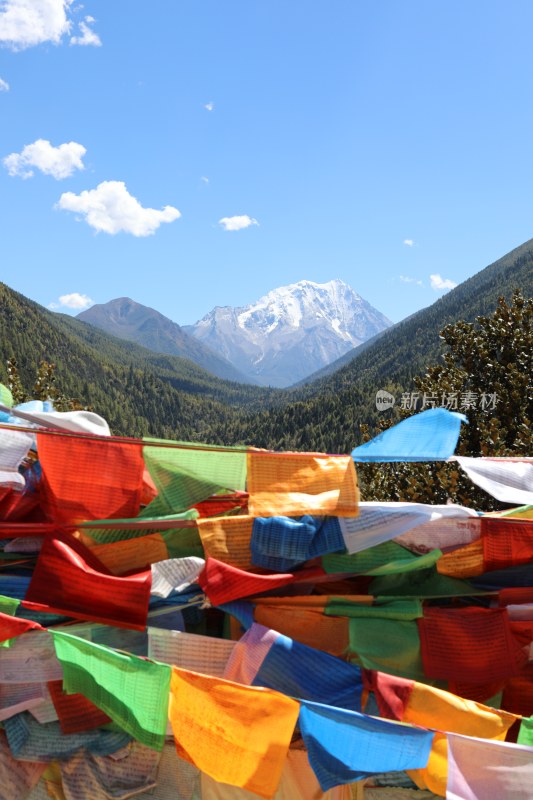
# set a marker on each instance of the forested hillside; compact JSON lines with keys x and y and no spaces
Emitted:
{"x":138,"y":392}
{"x":410,"y":346}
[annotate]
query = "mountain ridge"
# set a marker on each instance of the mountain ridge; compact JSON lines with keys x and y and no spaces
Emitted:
{"x":135,"y":322}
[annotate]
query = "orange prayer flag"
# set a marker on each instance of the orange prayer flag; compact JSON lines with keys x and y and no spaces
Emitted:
{"x":291,"y":484}
{"x":464,"y":562}
{"x":306,"y":625}
{"x":129,"y":555}
{"x":227,"y":539}
{"x":236,"y":734}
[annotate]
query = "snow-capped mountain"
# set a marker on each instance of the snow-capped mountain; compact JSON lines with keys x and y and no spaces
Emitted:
{"x":290,"y":332}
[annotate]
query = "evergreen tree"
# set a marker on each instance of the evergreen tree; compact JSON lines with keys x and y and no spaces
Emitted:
{"x":487,"y":374}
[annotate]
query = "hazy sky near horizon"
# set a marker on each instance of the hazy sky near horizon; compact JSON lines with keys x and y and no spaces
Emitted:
{"x":193,"y":153}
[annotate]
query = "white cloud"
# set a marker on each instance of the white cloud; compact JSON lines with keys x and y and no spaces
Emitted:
{"x":74,"y":300}
{"x":407,"y":279}
{"x":111,"y":208}
{"x":26,"y":23}
{"x":4,"y":86}
{"x":408,"y":242}
{"x":209,"y":106}
{"x":60,"y":162}
{"x":204,"y":179}
{"x":88,"y":36}
{"x":439,"y":283}
{"x":237,"y":223}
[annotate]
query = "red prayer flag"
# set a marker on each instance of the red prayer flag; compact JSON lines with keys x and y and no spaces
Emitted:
{"x":76,"y":713}
{"x":87,"y":478}
{"x":515,"y":595}
{"x":15,"y":626}
{"x":223,"y":583}
{"x":506,"y":543}
{"x":518,"y":693}
{"x":480,"y":692}
{"x":459,"y":643}
{"x":19,"y":505}
{"x":69,"y":579}
{"x":217,"y":505}
{"x":391,"y":693}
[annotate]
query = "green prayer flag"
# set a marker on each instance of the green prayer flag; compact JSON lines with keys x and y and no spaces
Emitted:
{"x":387,"y":645}
{"x":382,"y":608}
{"x":525,"y":734}
{"x":130,"y":690}
{"x":422,"y":583}
{"x":8,"y":605}
{"x":188,"y":474}
{"x":382,"y":559}
{"x":183,"y":542}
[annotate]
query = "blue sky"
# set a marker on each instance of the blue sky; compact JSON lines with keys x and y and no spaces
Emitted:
{"x":193,"y":153}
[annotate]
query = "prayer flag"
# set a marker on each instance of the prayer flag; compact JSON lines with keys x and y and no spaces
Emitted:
{"x":222,"y":582}
{"x":236,"y":734}
{"x":86,"y":478}
{"x":486,"y":770}
{"x":459,"y":643}
{"x":292,"y":484}
{"x":130,"y":690}
{"x":428,"y":436}
{"x":508,"y":480}
{"x":344,"y":746}
{"x":430,"y":707}
{"x":187,"y":474}
{"x":70,"y":580}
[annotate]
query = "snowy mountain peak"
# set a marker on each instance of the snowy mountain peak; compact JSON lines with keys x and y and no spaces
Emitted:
{"x":291,"y":331}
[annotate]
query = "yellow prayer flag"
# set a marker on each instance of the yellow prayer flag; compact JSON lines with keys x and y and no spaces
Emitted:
{"x":236,"y":734}
{"x":444,"y":711}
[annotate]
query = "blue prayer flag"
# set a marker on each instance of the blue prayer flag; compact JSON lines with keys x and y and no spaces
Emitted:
{"x":429,"y":436}
{"x":344,"y":746}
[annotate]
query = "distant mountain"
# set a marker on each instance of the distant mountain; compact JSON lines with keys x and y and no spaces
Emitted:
{"x":325,"y":414}
{"x":290,"y":332}
{"x":137,"y":323}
